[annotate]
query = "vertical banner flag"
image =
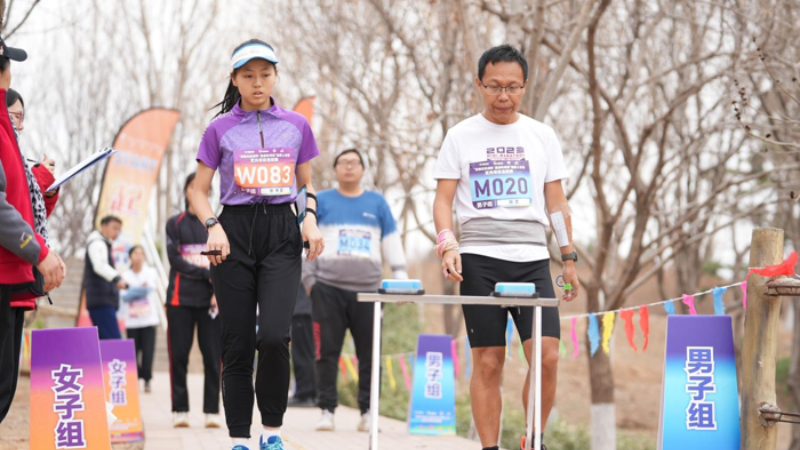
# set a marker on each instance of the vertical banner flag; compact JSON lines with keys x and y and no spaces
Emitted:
{"x":699,"y":399}
{"x":433,"y":400}
{"x":131,"y":173}
{"x":129,"y":178}
{"x":121,"y":386}
{"x":68,"y":407}
{"x":305,"y":107}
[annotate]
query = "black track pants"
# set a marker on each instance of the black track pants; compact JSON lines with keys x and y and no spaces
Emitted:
{"x":263,"y":269}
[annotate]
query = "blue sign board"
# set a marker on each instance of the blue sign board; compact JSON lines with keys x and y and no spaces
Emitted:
{"x":433,"y":398}
{"x":700,"y":399}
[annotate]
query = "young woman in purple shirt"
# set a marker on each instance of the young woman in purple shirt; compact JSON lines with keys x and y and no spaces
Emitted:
{"x":262,"y":153}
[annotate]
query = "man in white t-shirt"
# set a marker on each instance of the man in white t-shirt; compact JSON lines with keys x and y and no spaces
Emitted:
{"x":504,"y":171}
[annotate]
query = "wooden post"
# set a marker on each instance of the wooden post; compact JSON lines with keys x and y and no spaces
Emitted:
{"x":760,"y":344}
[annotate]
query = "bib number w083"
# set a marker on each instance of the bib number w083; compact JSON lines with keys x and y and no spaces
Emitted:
{"x":265,"y":172}
{"x":500,"y":184}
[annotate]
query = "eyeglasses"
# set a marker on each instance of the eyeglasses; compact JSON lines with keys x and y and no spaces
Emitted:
{"x":497,"y":90}
{"x":20,"y":116}
{"x":348,"y":164}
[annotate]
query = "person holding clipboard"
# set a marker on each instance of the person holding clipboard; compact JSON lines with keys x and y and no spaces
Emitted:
{"x":263,"y":154}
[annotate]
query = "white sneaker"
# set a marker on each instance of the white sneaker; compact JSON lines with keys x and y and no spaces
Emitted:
{"x":365,"y":423}
{"x":213,"y":421}
{"x":326,"y":422}
{"x":180,"y":420}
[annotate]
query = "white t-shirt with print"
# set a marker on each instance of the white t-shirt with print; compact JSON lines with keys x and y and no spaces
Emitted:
{"x":142,"y":312}
{"x":502,"y":170}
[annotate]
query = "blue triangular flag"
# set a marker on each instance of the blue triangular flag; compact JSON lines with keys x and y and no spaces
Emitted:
{"x":669,"y":307}
{"x":594,"y":334}
{"x":719,"y":306}
{"x":509,"y":336}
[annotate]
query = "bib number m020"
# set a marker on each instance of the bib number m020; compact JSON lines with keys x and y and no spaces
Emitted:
{"x":500,"y":184}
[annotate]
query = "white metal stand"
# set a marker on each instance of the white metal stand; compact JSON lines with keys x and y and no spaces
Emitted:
{"x":535,"y":387}
{"x":375,"y":384}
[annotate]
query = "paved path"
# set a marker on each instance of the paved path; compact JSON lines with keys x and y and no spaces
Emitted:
{"x":298,"y":429}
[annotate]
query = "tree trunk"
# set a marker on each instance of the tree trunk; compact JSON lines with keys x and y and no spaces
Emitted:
{"x":604,"y":422}
{"x":760,"y":344}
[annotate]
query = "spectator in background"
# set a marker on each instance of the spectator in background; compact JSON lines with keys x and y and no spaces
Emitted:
{"x":190,"y":304}
{"x":28,"y":269}
{"x":43,"y":171}
{"x":303,"y":354}
{"x":101,"y":280}
{"x":359,"y":225}
{"x":139,"y":310}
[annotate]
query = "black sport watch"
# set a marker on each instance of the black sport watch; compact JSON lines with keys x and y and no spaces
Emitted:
{"x":211,"y":222}
{"x":570,"y":256}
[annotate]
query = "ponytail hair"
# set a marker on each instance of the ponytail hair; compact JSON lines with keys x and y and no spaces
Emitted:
{"x":232,"y":95}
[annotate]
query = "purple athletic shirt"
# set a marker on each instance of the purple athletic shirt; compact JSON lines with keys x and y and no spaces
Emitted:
{"x":251,"y":171}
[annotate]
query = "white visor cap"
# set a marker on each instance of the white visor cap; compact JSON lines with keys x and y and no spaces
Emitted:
{"x":250,"y":52}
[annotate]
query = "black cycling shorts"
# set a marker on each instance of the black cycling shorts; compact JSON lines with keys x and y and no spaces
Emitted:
{"x":486,"y":324}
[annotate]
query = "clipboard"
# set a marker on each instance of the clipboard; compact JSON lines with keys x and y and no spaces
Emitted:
{"x":81,"y":166}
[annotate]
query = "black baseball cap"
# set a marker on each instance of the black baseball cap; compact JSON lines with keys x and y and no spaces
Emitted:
{"x":16,"y":54}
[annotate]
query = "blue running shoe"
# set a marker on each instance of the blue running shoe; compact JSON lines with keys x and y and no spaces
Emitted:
{"x":240,"y":447}
{"x":273,"y":443}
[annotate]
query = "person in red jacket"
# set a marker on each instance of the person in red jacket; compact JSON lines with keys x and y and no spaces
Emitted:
{"x":22,"y":247}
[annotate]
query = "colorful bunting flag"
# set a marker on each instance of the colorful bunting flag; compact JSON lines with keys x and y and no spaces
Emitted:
{"x":392,"y":381}
{"x":669,"y":307}
{"x":509,"y":335}
{"x":454,"y":352}
{"x":574,"y":335}
{"x":594,"y":334}
{"x":608,"y":330}
{"x":644,"y":323}
{"x":688,"y":300}
{"x":744,"y":293}
{"x":719,"y":305}
{"x":343,"y":369}
{"x":404,"y":369}
{"x":521,"y":350}
{"x":627,"y":317}
{"x":562,"y":349}
{"x":350,"y":368}
{"x":467,"y":358}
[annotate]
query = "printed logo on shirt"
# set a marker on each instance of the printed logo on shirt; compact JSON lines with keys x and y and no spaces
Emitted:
{"x":191,"y":254}
{"x":355,"y":243}
{"x":503,"y":180}
{"x":370,"y":216}
{"x":505,"y":153}
{"x":266,"y":172}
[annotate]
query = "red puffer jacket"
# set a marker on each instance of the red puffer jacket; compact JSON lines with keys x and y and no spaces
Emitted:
{"x":13,"y":268}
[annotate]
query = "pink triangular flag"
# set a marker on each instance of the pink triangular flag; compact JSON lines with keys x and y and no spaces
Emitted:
{"x":688,"y":300}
